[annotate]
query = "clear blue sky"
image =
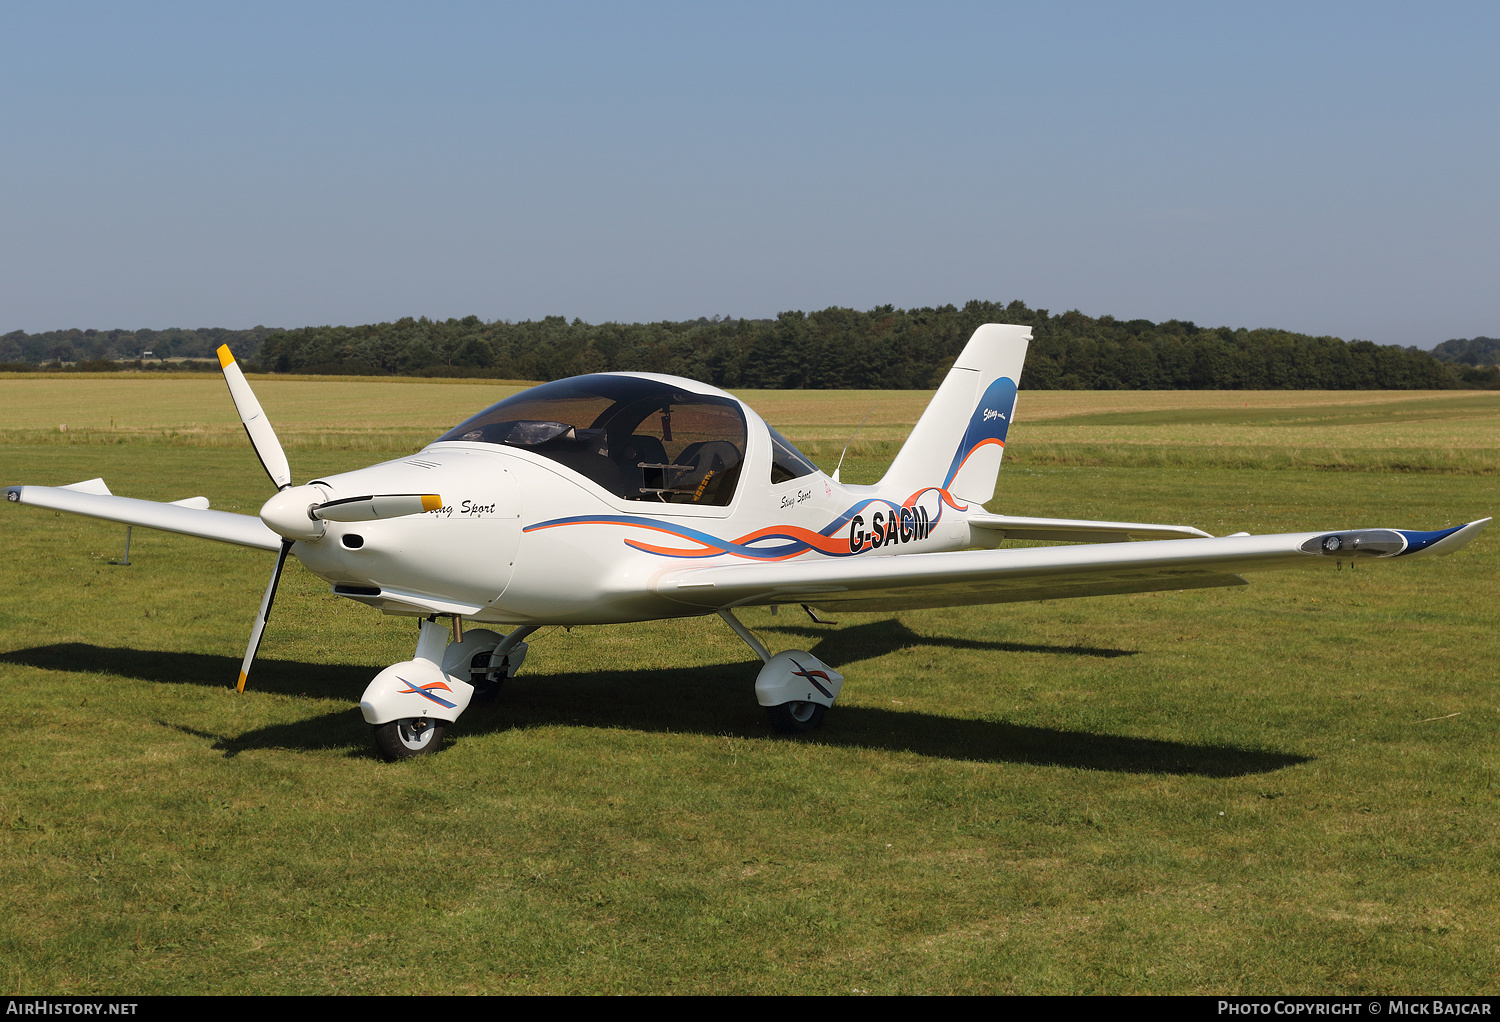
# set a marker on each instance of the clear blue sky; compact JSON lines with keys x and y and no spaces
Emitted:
{"x":1328,"y":168}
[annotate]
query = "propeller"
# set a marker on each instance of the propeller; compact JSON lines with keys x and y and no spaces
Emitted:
{"x":262,"y":436}
{"x":298,"y":512}
{"x":263,"y":615}
{"x":372,"y":509}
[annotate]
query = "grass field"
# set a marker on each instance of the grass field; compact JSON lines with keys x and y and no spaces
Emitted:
{"x":1341,"y":430}
{"x":1291,"y":787}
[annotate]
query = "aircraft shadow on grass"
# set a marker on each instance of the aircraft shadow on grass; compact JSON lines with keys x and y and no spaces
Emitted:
{"x":705,"y":700}
{"x":873,"y":639}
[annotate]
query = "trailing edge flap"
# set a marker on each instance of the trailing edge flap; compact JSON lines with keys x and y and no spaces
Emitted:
{"x":189,"y":517}
{"x":1073,"y":530}
{"x":967,"y":577}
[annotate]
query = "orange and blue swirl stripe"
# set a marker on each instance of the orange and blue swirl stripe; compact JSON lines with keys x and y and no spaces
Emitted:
{"x":772,"y":543}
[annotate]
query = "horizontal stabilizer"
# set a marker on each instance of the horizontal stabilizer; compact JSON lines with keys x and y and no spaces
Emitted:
{"x":190,"y":517}
{"x":1073,"y":530}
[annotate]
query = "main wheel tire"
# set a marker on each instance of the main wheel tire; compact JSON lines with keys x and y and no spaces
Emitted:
{"x":796,"y":718}
{"x":409,"y":736}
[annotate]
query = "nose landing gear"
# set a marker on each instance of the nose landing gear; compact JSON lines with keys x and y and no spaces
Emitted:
{"x":413,"y":704}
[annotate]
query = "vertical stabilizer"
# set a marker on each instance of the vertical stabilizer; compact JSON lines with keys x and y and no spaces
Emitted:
{"x":959,"y":440}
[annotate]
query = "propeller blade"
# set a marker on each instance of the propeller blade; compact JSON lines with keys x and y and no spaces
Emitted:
{"x":262,"y":436}
{"x":263,"y":615}
{"x":377,"y":507}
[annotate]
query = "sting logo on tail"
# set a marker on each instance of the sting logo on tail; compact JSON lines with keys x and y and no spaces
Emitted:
{"x":987,"y":426}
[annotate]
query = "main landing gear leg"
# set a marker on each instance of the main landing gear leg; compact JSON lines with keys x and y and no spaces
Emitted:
{"x":795,"y":687}
{"x":489,"y":670}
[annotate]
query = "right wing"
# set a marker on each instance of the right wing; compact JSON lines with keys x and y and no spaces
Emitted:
{"x":961,"y":578}
{"x":188,"y":518}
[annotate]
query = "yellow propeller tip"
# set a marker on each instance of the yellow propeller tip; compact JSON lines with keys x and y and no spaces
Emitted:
{"x":431,"y":502}
{"x":226,"y":357}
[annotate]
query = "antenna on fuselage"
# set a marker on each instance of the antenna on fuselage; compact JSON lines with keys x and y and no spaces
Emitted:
{"x":845,"y":451}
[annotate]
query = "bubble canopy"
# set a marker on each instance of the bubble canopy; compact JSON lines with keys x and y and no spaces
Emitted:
{"x":639,"y":438}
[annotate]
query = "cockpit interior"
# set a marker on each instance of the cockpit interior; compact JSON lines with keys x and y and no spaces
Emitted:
{"x":640,"y":439}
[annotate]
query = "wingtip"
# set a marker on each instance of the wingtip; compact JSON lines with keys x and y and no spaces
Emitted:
{"x":226,"y":357}
{"x":1471,"y":529}
{"x":1464,"y":533}
{"x":1441,"y":543}
{"x":240,"y":685}
{"x":1474,"y":528}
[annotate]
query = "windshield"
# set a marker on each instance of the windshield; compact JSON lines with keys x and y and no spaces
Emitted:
{"x":638,"y":439}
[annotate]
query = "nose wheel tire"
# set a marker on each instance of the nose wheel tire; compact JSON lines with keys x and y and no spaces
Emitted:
{"x":408,"y":737}
{"x":796,"y":718}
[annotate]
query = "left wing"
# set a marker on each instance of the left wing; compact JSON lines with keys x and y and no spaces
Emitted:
{"x":189,"y":517}
{"x":907,"y":582}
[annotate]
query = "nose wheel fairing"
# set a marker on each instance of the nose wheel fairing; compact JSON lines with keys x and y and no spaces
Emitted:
{"x":442,"y":679}
{"x":420,"y":688}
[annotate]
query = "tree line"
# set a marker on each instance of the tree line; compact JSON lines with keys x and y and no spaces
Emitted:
{"x":885,"y":347}
{"x":1474,"y":359}
{"x":64,"y":346}
{"x":841,"y":348}
{"x":1473,"y":351}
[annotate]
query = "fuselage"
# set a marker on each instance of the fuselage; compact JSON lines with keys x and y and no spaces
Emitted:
{"x":575,"y":527}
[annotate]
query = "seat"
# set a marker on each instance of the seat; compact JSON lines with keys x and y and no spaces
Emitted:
{"x":713,"y":468}
{"x":633,"y":452}
{"x":592,"y":466}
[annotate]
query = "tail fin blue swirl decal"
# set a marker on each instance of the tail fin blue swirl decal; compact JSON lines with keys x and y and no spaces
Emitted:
{"x":988,"y":425}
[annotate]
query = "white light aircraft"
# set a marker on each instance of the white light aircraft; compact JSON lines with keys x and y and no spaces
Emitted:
{"x":624,"y":497}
